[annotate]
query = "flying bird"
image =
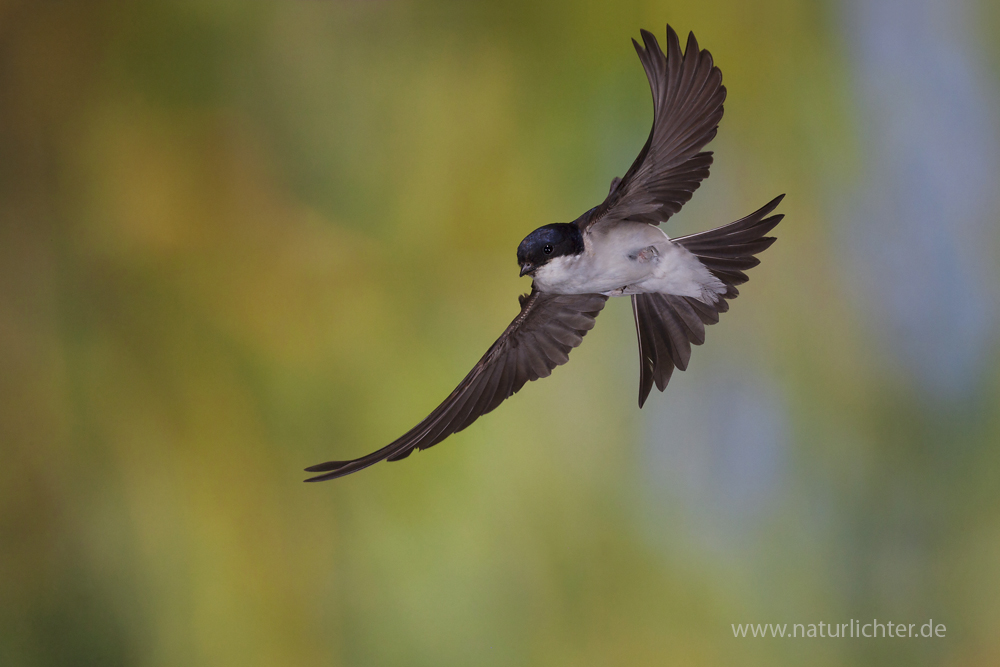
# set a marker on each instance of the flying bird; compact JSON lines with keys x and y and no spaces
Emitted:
{"x":677,"y":286}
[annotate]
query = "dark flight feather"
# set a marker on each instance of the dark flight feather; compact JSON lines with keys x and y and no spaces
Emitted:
{"x":539,"y":339}
{"x":687,"y":107}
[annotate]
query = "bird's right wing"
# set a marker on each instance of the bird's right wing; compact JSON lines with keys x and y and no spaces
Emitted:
{"x":539,"y":339}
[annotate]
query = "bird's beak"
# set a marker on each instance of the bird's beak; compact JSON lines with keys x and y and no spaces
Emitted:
{"x":527,"y":268}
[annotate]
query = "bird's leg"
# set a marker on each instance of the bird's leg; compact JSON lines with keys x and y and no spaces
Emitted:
{"x":644,"y":255}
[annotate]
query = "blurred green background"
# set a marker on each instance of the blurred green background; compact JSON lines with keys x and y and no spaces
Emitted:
{"x":240,"y":238}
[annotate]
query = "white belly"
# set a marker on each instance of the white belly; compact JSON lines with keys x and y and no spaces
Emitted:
{"x":632,"y":258}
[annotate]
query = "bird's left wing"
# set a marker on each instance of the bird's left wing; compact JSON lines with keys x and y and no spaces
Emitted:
{"x":538,"y":340}
{"x":687,"y":106}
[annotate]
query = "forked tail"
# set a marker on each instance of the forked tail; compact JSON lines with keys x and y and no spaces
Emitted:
{"x":667,"y":325}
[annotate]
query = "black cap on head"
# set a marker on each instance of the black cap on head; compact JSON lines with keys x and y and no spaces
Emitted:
{"x":546,"y":243}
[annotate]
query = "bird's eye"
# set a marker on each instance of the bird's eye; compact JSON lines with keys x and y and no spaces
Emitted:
{"x":547,"y":249}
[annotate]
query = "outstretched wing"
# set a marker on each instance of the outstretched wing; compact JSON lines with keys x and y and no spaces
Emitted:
{"x":687,"y":107}
{"x":538,"y":340}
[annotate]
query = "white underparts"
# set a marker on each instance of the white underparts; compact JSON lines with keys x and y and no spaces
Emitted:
{"x":630,"y":258}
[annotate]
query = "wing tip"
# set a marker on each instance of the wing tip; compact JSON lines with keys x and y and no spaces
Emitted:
{"x":322,"y":478}
{"x":692,"y":45}
{"x":326,"y":467}
{"x":329,"y":470}
{"x":453,"y":415}
{"x":767,"y":208}
{"x":672,"y":34}
{"x":649,"y":44}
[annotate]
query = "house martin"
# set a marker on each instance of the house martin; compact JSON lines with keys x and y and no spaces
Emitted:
{"x":677,"y":286}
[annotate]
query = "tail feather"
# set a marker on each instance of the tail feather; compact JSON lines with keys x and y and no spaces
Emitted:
{"x":667,"y":325}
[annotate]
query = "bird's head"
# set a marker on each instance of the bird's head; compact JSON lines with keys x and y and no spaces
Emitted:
{"x":546,"y":243}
